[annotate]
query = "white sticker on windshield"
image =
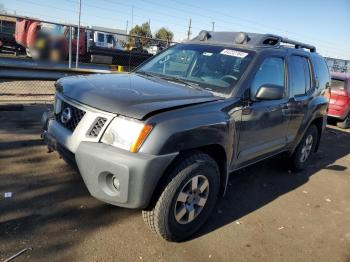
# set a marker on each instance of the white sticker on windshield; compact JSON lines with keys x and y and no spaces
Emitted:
{"x":207,"y":54}
{"x":233,"y":53}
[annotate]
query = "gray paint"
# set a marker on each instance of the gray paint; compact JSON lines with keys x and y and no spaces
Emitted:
{"x":130,"y":94}
{"x":246,"y":129}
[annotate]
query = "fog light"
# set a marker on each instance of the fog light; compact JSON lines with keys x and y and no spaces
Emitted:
{"x":116,"y":183}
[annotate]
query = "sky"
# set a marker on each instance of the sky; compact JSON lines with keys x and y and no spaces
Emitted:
{"x":325,"y":24}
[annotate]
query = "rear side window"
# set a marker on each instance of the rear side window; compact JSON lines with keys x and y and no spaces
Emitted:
{"x":299,"y":75}
{"x":321,"y":72}
{"x":271,"y":71}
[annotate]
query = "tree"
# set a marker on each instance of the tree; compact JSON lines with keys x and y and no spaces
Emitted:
{"x":164,"y":34}
{"x":144,"y":30}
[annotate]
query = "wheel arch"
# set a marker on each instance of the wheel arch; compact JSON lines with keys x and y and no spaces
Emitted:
{"x":215,"y":151}
{"x":319,"y":123}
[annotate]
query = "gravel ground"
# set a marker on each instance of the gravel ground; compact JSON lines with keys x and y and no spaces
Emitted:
{"x":268,"y":214}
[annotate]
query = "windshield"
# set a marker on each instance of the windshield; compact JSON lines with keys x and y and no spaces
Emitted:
{"x":214,"y":68}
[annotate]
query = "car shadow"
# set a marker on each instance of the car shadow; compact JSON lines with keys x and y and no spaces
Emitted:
{"x":49,"y":208}
{"x":256,"y":186}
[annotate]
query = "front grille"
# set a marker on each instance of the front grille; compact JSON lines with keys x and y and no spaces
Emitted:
{"x":76,"y":116}
{"x":97,"y":127}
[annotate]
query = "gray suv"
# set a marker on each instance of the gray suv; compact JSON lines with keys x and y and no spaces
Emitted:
{"x":165,"y":137}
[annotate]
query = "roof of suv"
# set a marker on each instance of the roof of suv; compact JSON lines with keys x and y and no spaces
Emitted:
{"x":250,"y":40}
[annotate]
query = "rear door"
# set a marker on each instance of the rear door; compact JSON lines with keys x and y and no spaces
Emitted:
{"x":301,"y":88}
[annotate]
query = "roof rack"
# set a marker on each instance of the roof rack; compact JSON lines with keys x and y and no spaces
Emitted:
{"x":299,"y":44}
{"x":250,"y":39}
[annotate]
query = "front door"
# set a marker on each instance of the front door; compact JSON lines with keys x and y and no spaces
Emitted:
{"x":264,"y":123}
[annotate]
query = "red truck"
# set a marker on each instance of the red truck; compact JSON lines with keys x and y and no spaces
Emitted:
{"x":48,"y":41}
{"x":339,"y":102}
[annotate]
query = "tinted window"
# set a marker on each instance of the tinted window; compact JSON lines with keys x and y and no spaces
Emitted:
{"x":109,"y":39}
{"x":299,"y":75}
{"x":100,"y":37}
{"x":271,"y":71}
{"x":321,"y":72}
{"x":307,"y":71}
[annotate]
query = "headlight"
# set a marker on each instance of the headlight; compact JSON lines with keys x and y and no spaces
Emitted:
{"x":126,"y":133}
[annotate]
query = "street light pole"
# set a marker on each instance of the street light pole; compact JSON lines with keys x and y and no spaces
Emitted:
{"x":78,"y":37}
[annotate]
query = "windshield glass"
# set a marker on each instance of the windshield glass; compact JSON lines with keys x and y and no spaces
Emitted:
{"x":214,"y":68}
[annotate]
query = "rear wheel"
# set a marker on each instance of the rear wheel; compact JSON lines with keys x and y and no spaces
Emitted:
{"x":305,"y":149}
{"x":345,"y":123}
{"x":187,"y":200}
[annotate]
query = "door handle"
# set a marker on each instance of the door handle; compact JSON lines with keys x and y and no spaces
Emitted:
{"x":272,"y":109}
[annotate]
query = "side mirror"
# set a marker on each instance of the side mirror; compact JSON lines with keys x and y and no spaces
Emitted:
{"x":270,"y":92}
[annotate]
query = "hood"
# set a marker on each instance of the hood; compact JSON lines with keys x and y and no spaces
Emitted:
{"x":131,"y":94}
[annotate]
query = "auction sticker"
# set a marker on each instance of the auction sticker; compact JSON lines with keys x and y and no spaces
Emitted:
{"x":233,"y":53}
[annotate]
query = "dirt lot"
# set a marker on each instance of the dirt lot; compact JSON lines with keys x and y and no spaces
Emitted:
{"x":268,"y":214}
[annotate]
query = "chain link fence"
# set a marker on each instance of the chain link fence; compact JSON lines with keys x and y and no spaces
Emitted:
{"x":43,"y":40}
{"x":43,"y":44}
{"x":24,"y":91}
{"x":338,"y":65}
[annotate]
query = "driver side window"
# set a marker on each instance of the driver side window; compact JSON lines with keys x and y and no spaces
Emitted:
{"x":271,"y":71}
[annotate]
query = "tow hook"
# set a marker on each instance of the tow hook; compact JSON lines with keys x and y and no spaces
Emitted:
{"x":49,"y":141}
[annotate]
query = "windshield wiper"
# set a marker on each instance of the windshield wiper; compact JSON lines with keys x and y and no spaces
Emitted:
{"x":170,"y":78}
{"x":181,"y":81}
{"x":146,"y":73}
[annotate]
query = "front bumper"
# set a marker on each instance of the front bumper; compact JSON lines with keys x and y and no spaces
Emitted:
{"x":138,"y":174}
{"x":98,"y":164}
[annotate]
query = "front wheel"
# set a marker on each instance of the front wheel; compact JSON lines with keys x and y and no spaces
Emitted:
{"x":187,"y":199}
{"x":305,"y":149}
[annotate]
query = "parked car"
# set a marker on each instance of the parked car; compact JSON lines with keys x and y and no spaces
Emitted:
{"x":339,"y":102}
{"x":165,"y":137}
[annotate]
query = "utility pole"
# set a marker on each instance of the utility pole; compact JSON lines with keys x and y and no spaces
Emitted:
{"x":189,"y":29}
{"x":213,"y":28}
{"x":149,"y":25}
{"x":126,"y":29}
{"x":78,"y":38}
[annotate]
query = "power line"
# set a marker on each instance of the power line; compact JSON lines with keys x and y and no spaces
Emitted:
{"x":317,"y":42}
{"x":256,"y":23}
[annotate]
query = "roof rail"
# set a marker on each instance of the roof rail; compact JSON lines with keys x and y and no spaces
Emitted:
{"x":250,"y":39}
{"x":298,"y":44}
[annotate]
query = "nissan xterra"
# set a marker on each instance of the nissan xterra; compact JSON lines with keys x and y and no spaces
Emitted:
{"x":166,"y":136}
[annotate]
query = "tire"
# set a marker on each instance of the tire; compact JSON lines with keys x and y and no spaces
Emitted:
{"x":305,"y":149}
{"x":166,"y":217}
{"x":345,"y":123}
